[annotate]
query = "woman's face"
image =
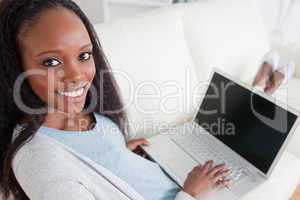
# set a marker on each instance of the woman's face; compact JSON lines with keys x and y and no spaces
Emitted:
{"x":57,"y":58}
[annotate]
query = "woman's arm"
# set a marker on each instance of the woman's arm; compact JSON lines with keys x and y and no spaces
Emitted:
{"x":202,"y":180}
{"x":46,"y":179}
{"x":134,"y":146}
{"x":71,"y":190}
{"x":39,"y":185}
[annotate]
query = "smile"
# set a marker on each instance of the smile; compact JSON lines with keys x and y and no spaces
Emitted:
{"x":73,"y":94}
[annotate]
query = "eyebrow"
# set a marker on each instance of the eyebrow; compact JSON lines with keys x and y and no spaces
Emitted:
{"x":56,"y":50}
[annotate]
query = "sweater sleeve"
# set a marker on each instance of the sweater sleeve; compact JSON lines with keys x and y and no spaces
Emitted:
{"x":38,"y":184}
{"x":53,"y":190}
{"x":70,"y":190}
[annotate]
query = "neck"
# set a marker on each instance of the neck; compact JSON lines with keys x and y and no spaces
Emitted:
{"x":67,"y":121}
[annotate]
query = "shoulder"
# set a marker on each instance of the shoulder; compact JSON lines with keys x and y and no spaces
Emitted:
{"x":44,"y":174}
{"x":37,"y":157}
{"x":29,"y":150}
{"x":109,"y":128}
{"x":41,"y":164}
{"x":103,"y":118}
{"x":106,"y":122}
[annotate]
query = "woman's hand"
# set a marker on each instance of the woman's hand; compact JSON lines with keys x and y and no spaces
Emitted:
{"x":268,"y":79}
{"x":203,"y":179}
{"x":134,"y":145}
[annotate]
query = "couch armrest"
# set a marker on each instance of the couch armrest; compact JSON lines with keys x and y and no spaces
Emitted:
{"x":282,"y":183}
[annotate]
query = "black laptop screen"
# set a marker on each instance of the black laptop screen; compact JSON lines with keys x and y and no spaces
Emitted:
{"x":249,"y":124}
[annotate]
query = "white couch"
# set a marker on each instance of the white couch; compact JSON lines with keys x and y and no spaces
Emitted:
{"x":161,"y":56}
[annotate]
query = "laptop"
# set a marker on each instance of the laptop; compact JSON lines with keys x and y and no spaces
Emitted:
{"x":234,"y":124}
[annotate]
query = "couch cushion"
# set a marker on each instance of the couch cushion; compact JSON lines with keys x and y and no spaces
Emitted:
{"x":229,"y":35}
{"x":153,"y":67}
{"x":282,"y":182}
{"x":289,"y":94}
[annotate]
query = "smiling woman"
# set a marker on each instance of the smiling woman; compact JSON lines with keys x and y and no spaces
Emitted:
{"x":55,"y":46}
{"x":71,"y":143}
{"x":65,"y":58}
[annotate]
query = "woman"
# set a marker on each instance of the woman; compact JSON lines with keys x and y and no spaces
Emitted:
{"x":62,"y":128}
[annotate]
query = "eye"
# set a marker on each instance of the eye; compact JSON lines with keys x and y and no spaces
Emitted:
{"x":52,"y":62}
{"x":85,"y":56}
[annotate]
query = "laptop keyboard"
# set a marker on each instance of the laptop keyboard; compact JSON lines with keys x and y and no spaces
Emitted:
{"x":203,"y":148}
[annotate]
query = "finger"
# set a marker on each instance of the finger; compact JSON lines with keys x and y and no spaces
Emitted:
{"x":207,"y":166}
{"x":138,"y":151}
{"x":137,"y":142}
{"x":263,"y":74}
{"x":199,"y":166}
{"x":226,"y":182}
{"x":146,"y":142}
{"x":196,"y":169}
{"x":142,"y":141}
{"x":221,"y":176}
{"x":216,"y":169}
{"x":132,"y":145}
{"x":222,"y":183}
{"x":218,"y":185}
{"x":275,"y":82}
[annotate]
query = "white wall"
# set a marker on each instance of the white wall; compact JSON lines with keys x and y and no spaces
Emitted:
{"x":93,"y":8}
{"x":117,"y":10}
{"x":103,"y":10}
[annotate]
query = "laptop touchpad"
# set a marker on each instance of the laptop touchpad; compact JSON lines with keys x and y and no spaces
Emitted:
{"x":171,"y":157}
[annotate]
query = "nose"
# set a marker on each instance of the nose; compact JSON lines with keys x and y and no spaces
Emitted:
{"x":72,"y":76}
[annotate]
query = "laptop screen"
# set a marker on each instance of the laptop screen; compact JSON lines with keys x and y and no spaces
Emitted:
{"x":249,"y":124}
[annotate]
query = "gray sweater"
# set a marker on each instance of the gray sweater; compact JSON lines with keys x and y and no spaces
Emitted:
{"x":47,"y":169}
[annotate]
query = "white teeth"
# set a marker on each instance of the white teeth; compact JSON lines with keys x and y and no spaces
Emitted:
{"x":75,"y":93}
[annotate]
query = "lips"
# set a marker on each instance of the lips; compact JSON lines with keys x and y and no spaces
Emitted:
{"x":73,"y":93}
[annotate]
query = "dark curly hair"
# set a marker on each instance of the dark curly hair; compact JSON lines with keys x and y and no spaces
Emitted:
{"x":14,"y":16}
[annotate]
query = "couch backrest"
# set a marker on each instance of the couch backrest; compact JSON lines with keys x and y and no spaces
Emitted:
{"x":229,"y":35}
{"x":152,"y":65}
{"x":161,"y":56}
